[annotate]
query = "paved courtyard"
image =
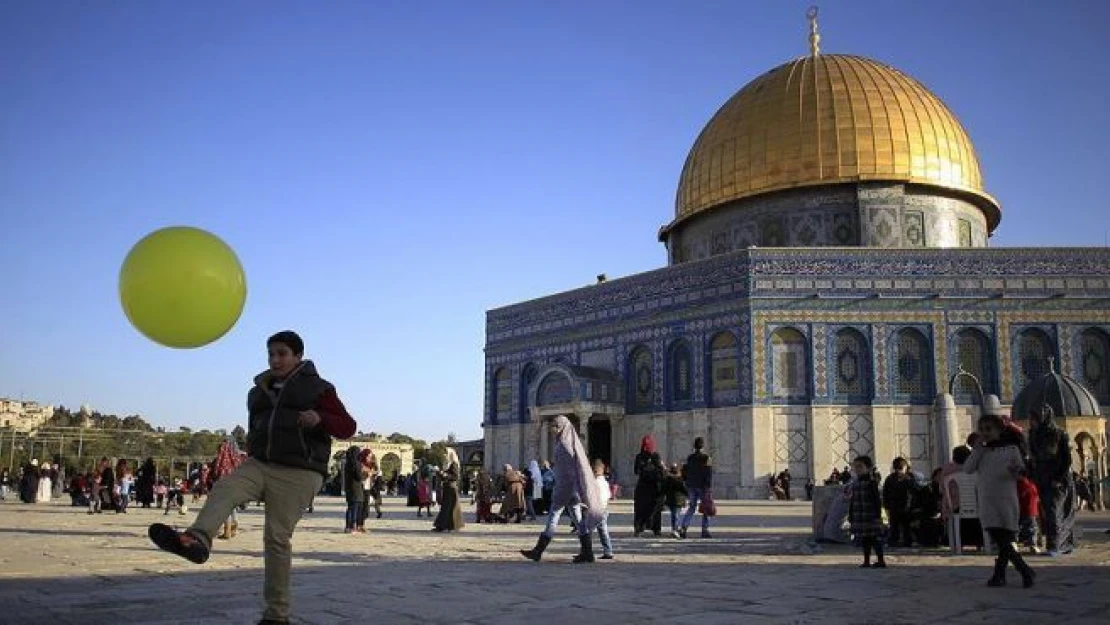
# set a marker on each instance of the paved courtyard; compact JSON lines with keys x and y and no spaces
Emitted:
{"x":59,"y":565}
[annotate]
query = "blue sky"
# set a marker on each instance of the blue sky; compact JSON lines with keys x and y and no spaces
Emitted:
{"x":388,"y":171}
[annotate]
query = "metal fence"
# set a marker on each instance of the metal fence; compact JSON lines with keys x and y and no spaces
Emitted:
{"x":80,"y":448}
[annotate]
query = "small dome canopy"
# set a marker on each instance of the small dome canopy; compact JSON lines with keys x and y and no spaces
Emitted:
{"x":993,"y":405}
{"x":1067,"y":397}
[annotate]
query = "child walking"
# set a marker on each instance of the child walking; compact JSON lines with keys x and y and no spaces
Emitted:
{"x":294,"y":413}
{"x":603,"y":495}
{"x":865,"y":511}
{"x":423,"y":495}
{"x":674,"y":488}
{"x":1029,"y":500}
{"x":998,"y":464}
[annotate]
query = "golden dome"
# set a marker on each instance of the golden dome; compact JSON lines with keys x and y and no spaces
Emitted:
{"x":827,"y":119}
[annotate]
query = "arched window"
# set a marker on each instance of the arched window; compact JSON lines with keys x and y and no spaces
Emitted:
{"x":851,"y":366}
{"x":973,"y":355}
{"x":555,"y":388}
{"x":1094,"y":358}
{"x":680,"y":372}
{"x":502,"y":395}
{"x":641,"y":380}
{"x":913,"y":366}
{"x":789,"y":365}
{"x":724,"y":389}
{"x":527,"y":377}
{"x":1033,"y":350}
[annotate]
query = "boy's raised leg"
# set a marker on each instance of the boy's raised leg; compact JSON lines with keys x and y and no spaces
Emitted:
{"x":244,"y":484}
{"x":195,"y":544}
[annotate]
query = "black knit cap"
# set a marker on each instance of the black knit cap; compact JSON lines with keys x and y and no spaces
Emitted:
{"x":290,"y":339}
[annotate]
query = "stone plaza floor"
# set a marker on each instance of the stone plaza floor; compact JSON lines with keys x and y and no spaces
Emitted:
{"x":60,"y":565}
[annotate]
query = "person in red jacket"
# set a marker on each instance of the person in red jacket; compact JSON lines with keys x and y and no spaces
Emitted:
{"x":1029,"y":502}
{"x":293,"y":415}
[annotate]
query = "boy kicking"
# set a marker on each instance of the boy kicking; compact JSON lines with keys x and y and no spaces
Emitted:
{"x":294,"y":413}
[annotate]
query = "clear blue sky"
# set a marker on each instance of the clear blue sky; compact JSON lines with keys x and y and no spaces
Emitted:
{"x":388,"y":171}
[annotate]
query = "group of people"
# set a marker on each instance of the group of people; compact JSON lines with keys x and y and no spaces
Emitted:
{"x":522,"y":494}
{"x":364,"y":486}
{"x":684,"y":490}
{"x":35,"y":484}
{"x":1024,"y":488}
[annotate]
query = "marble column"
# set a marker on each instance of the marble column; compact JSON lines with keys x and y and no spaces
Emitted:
{"x":544,"y":435}
{"x":945,"y":433}
{"x":584,"y":427}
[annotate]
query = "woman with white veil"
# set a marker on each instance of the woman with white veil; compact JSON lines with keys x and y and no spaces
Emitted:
{"x":450,"y":513}
{"x":574,"y":479}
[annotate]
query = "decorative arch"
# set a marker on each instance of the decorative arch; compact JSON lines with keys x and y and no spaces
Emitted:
{"x":555,"y":388}
{"x":390,"y":464}
{"x":789,"y":364}
{"x":527,"y":377}
{"x":680,"y":373}
{"x":1032,"y":350}
{"x":851,"y":367}
{"x":912,"y":366}
{"x":1094,"y":363}
{"x":975,"y":355}
{"x":502,"y":395}
{"x":724,"y":367}
{"x":1086,"y":452}
{"x":640,"y":379}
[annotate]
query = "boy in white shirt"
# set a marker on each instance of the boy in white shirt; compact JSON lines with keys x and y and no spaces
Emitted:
{"x":603,"y":495}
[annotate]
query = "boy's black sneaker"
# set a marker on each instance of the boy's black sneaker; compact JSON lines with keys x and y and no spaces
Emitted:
{"x":183,"y":544}
{"x":270,"y":621}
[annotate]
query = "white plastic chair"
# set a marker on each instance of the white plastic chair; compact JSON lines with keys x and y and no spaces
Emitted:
{"x":967,"y":483}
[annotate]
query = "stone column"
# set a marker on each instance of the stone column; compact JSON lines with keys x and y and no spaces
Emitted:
{"x":820,"y":433}
{"x":584,"y":427}
{"x":545,"y":438}
{"x":945,"y":431}
{"x":882,"y":428}
{"x":489,"y":451}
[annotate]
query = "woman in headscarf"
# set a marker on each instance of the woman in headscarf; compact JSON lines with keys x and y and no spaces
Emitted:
{"x":372,"y":496}
{"x":412,"y":497}
{"x":513,"y":503}
{"x":29,"y":482}
{"x":649,"y":498}
{"x":483,"y":496}
{"x":574,"y":482}
{"x":1050,"y":452}
{"x":58,"y":476}
{"x":450,"y":518}
{"x":45,"y":484}
{"x":227,"y":459}
{"x":352,"y":487}
{"x":144,"y":483}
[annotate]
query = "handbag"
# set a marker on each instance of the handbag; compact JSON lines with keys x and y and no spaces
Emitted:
{"x":707,"y":506}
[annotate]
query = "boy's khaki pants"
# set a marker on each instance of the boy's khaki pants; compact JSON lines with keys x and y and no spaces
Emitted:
{"x":286,"y":491}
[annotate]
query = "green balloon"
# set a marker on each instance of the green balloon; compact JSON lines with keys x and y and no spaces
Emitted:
{"x":182,"y":287}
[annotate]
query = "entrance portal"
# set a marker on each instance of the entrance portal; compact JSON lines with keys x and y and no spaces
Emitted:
{"x":601,"y":440}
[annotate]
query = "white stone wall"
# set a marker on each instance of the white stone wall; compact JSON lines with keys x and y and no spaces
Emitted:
{"x":748,"y":444}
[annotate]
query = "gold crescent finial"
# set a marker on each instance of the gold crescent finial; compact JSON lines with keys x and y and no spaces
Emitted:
{"x":814,"y":36}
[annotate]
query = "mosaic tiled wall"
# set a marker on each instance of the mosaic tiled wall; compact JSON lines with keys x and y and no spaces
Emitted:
{"x":875,"y":291}
{"x":872,"y":215}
